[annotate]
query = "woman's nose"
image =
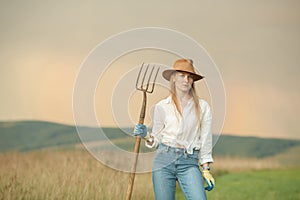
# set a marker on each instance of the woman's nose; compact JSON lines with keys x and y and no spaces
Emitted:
{"x":186,"y":78}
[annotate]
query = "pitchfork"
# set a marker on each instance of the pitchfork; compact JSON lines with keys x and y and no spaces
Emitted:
{"x":145,"y":82}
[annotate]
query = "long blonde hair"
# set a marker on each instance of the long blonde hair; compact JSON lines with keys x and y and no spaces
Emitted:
{"x":193,"y":94}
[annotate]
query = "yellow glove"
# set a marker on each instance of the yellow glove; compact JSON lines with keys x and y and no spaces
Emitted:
{"x":208,"y":179}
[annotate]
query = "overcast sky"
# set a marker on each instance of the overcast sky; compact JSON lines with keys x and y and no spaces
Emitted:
{"x":255,"y":44}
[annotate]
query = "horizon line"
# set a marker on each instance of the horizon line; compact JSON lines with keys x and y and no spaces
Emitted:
{"x":87,"y":126}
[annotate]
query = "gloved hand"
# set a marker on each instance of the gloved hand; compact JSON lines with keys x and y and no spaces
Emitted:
{"x":208,"y":179}
{"x":140,"y":129}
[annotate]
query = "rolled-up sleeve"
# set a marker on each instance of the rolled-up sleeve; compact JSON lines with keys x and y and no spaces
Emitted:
{"x":205,"y":154}
{"x":158,"y":125}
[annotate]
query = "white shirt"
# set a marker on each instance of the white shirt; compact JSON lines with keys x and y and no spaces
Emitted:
{"x":173,"y":129}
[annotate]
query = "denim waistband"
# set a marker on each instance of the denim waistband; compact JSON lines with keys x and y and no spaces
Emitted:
{"x":175,"y":149}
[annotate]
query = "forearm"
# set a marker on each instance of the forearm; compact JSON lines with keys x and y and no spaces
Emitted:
{"x":205,"y":166}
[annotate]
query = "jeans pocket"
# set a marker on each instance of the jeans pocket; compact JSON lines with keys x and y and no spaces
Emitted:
{"x":160,"y":150}
{"x":162,"y":158}
{"x":193,"y":156}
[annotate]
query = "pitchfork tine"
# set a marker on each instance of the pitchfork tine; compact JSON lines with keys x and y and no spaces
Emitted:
{"x":153,"y":84}
{"x":143,"y":81}
{"x":149,"y":78}
{"x":140,"y":87}
{"x":137,"y":80}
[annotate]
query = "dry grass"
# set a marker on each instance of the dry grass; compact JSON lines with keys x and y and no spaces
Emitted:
{"x":58,"y":174}
{"x":64,"y":175}
{"x":242,"y":164}
{"x":287,"y":159}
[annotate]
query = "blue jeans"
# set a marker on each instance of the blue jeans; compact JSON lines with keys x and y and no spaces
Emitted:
{"x":171,"y":164}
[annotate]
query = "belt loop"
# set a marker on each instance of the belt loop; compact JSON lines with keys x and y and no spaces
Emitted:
{"x":168,"y":148}
{"x":185,"y":153}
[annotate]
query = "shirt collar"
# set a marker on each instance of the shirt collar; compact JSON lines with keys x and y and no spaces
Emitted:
{"x":169,"y":99}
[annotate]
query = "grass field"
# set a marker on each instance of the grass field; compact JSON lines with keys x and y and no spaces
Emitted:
{"x":51,"y":163}
{"x":265,"y":184}
{"x":75,"y":174}
{"x":256,"y":185}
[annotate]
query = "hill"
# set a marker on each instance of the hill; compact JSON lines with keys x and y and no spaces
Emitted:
{"x":252,"y":146}
{"x":29,"y":135}
{"x":33,"y":135}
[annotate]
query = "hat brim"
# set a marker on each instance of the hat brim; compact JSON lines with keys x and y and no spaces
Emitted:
{"x":168,"y":72}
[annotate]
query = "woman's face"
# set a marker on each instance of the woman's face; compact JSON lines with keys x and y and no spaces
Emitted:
{"x":183,"y":81}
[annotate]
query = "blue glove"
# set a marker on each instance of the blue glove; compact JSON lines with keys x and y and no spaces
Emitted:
{"x":140,"y":129}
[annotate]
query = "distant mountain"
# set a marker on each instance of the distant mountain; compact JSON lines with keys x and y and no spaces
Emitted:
{"x":29,"y":135}
{"x":252,"y":146}
{"x":33,"y":135}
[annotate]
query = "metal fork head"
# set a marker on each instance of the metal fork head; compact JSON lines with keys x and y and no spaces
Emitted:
{"x":146,"y":78}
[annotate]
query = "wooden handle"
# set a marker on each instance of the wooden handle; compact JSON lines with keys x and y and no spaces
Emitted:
{"x":136,"y":149}
{"x":133,"y":169}
{"x":143,"y":109}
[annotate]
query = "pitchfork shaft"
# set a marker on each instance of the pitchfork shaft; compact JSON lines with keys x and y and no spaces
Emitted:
{"x":143,"y":110}
{"x":136,"y":149}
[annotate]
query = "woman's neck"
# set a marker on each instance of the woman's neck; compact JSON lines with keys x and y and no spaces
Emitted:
{"x":183,"y":97}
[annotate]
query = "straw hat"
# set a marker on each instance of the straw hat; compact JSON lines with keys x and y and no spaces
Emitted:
{"x":182,"y":65}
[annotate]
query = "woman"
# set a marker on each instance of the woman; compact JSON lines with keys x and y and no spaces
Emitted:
{"x":182,"y":132}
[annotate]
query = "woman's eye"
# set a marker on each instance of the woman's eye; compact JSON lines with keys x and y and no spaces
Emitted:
{"x":185,"y":75}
